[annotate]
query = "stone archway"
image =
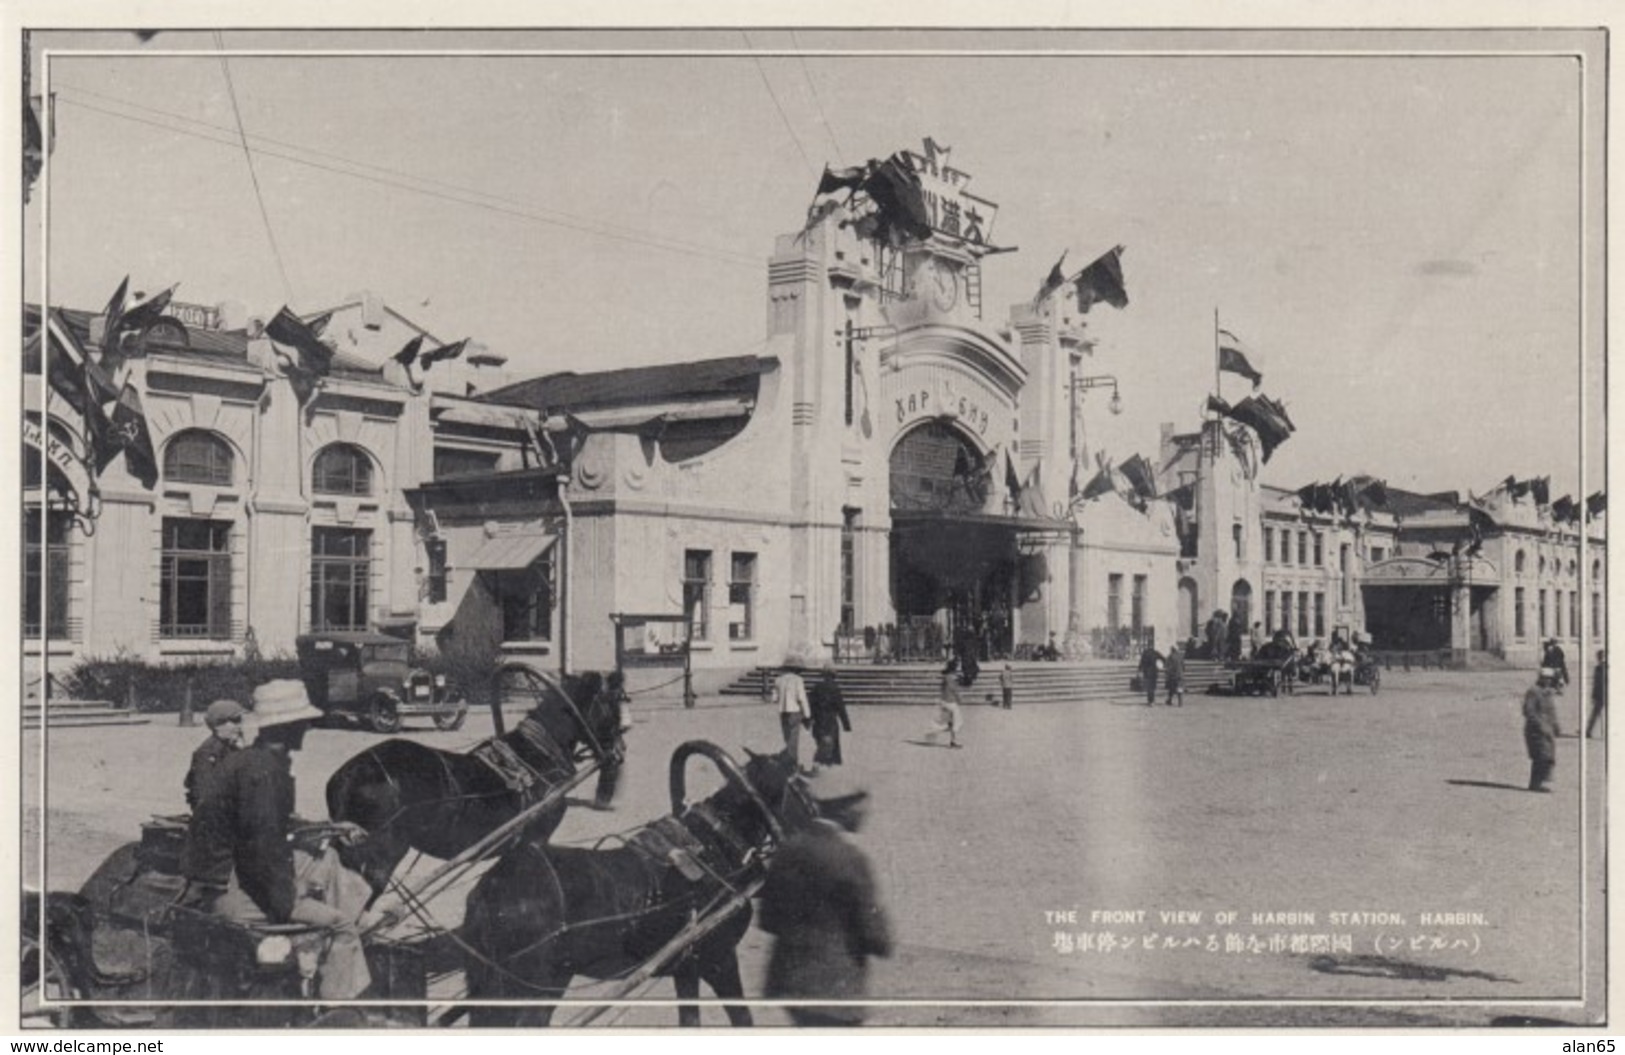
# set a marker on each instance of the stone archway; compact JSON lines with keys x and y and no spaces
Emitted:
{"x":1241,"y":605}
{"x":1190,"y":610}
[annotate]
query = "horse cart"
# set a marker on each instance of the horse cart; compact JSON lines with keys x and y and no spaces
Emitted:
{"x":1264,"y":675}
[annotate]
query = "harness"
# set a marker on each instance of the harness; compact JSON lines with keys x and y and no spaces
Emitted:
{"x":527,"y":781}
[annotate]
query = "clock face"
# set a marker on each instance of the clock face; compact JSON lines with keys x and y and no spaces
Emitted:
{"x":942,"y":285}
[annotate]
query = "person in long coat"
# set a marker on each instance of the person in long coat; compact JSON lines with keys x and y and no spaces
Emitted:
{"x":1150,"y":664}
{"x":1540,"y":729}
{"x":1599,"y":692}
{"x":821,"y":904}
{"x":829,"y":717}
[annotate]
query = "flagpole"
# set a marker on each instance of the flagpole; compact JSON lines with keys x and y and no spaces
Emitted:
{"x":1218,"y":384}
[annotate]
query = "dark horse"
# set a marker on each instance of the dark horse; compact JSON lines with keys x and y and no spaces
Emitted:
{"x":544,"y":914}
{"x":408,"y":796}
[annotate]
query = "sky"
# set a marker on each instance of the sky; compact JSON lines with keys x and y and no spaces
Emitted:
{"x":1396,"y":237}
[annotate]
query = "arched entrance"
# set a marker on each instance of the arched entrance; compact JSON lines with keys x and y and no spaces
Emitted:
{"x":955,"y":571}
{"x":1241,"y":605}
{"x":1190,"y":612}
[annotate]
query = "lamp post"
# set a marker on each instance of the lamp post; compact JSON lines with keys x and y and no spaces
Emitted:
{"x":1080,"y":385}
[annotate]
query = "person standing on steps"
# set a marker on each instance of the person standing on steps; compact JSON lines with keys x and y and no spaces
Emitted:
{"x":1175,"y":674}
{"x":1007,"y":685}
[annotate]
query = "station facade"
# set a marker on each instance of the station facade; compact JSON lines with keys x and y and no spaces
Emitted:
{"x":891,"y":473}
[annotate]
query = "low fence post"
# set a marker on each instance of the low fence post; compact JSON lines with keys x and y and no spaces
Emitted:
{"x":186,"y":705}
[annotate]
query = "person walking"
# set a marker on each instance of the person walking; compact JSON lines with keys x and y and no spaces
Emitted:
{"x":1175,"y":674}
{"x":1540,"y":729}
{"x":1599,"y":691}
{"x":821,"y":905}
{"x":790,"y":700}
{"x":1553,"y":658}
{"x":1150,"y":665}
{"x":225,"y":721}
{"x":950,"y":719}
{"x":829,"y":717}
{"x":1255,"y":640}
{"x":1007,"y":686}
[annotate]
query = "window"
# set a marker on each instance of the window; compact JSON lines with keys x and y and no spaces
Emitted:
{"x":1574,"y":613}
{"x":697,"y":593}
{"x":342,"y":469}
{"x":450,"y":462}
{"x":1303,"y":547}
{"x":198,"y":457}
{"x":1269,"y":611}
{"x":45,"y":569}
{"x":1286,"y":610}
{"x":1517,"y":612}
{"x":194,"y":592}
{"x":1235,"y":533}
{"x":1269,"y":544}
{"x":526,"y":599}
{"x":1343,"y":555}
{"x":1137,"y":604}
{"x":849,"y":570}
{"x":1542,"y":601}
{"x":1596,"y":614}
{"x":1320,"y":614}
{"x":1377,"y":555}
{"x":1114,"y":601}
{"x":340,"y":565}
{"x":435,"y":584}
{"x":1303,"y":608}
{"x":1320,"y":553}
{"x":1518,"y":562}
{"x":742,"y":599}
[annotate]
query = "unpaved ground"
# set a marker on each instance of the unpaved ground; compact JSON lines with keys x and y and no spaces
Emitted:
{"x":1403,"y":803}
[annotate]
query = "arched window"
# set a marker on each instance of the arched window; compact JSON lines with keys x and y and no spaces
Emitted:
{"x":342,"y":469}
{"x":1518,"y":562}
{"x":198,"y":457}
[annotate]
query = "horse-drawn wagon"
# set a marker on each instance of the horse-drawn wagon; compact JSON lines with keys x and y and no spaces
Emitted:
{"x":1264,"y":675}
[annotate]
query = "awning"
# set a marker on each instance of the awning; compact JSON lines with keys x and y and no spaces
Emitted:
{"x":508,"y":552}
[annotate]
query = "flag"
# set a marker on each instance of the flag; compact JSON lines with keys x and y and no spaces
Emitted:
{"x":1516,"y":488}
{"x":1012,"y":482}
{"x":113,"y":322}
{"x":409,"y":351}
{"x":848,"y":179}
{"x":1233,"y":358}
{"x":1102,"y":281}
{"x":1265,"y":417}
{"x":1566,"y":509}
{"x":137,"y":318}
{"x":1099,"y":484}
{"x":442,"y":353}
{"x":899,"y":201}
{"x":1218,"y":406}
{"x":69,"y":369}
{"x":1373,"y":490}
{"x":1052,"y":283}
{"x":1596,"y":505}
{"x":130,"y":428}
{"x":1541,"y":488}
{"x":289,"y":329}
{"x":1137,"y":470}
{"x":1074,"y":485}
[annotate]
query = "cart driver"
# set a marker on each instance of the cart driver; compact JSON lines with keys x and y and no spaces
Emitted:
{"x":239,"y":862}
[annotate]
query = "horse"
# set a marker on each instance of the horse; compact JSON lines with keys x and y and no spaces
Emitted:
{"x":409,"y":796}
{"x":544,"y":914}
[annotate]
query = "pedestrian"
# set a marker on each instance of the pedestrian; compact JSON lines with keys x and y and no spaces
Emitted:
{"x":1255,"y":640}
{"x":790,"y":700}
{"x":1175,"y":674}
{"x":1553,"y":658}
{"x":1215,"y":635}
{"x":1007,"y":685}
{"x":1150,"y":665}
{"x":821,"y":905}
{"x":1233,"y":639}
{"x":225,"y":721}
{"x":1540,"y":730}
{"x":239,"y":862}
{"x":1599,"y":691}
{"x":829,"y":717}
{"x":949,"y":717}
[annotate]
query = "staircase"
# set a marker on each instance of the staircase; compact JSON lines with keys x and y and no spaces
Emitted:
{"x":66,"y":712}
{"x":1036,"y":683}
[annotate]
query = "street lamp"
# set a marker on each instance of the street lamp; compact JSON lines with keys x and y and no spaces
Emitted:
{"x":1082,"y":384}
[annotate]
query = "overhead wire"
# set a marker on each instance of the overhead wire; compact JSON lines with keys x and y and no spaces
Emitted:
{"x":253,"y":176}
{"x":812,"y":87}
{"x":407,"y":182}
{"x":771,"y":94}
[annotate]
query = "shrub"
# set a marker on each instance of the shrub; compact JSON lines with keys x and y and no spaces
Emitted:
{"x":161,"y":688}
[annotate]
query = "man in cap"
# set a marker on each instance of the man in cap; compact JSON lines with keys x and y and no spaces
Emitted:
{"x":821,"y":904}
{"x":1552,"y":656}
{"x":225,"y":721}
{"x":1540,"y":730}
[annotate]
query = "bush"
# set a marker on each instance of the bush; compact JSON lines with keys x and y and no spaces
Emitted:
{"x":161,"y":688}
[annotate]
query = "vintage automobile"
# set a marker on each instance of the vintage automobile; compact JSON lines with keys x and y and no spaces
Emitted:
{"x":358,"y":676}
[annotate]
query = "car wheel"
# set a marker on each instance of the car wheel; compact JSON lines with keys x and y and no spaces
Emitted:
{"x":450,"y":719}
{"x":384,"y":716}
{"x":44,"y":977}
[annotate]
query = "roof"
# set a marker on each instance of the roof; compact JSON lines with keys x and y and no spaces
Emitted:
{"x":708,"y":378}
{"x":508,"y":552}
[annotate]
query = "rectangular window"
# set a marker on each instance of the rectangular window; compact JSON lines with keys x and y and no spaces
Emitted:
{"x":1269,"y":611}
{"x":1137,"y":604}
{"x":1269,"y":544}
{"x":194,"y":590}
{"x":435,"y":549}
{"x":526,"y":599}
{"x":1377,"y":554}
{"x":1343,"y":562}
{"x":45,"y":569}
{"x":1320,"y":614}
{"x":1303,"y":547}
{"x":340,"y":569}
{"x":1574,"y":613}
{"x":1114,"y":601}
{"x":1303,"y":612}
{"x":1286,"y":610}
{"x":1320,"y":552}
{"x":1517,"y":612}
{"x":1557,"y":613}
{"x":742,"y":597}
{"x":1596,"y":614}
{"x":697,"y":593}
{"x":849,"y":570}
{"x":1235,"y":533}
{"x":1542,"y":601}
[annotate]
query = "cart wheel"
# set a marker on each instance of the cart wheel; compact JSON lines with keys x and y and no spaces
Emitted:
{"x":383,"y":716}
{"x":451,"y":719}
{"x":45,"y":977}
